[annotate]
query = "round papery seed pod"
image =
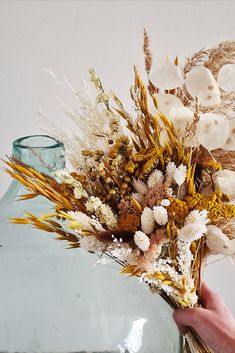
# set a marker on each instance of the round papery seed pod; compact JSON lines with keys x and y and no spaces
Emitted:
{"x":213,"y":130}
{"x":201,"y":83}
{"x":230,"y":143}
{"x":226,"y":78}
{"x":166,"y":102}
{"x":166,"y":75}
{"x":182,"y":118}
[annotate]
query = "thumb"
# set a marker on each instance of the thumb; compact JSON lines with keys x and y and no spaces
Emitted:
{"x":186,"y":318}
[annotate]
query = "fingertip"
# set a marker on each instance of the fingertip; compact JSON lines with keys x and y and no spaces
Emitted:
{"x":183,"y":330}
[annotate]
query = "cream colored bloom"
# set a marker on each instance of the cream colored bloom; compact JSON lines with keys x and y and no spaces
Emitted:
{"x":147,"y":220}
{"x":180,"y":174}
{"x":83,"y":221}
{"x":155,"y":178}
{"x":197,"y":216}
{"x":141,"y":240}
{"x":79,"y":191}
{"x":140,"y":186}
{"x":91,"y":243}
{"x":170,"y":169}
{"x":93,"y":204}
{"x":160,"y":215}
{"x":225,"y":182}
{"x":191,"y":232}
{"x":103,"y":212}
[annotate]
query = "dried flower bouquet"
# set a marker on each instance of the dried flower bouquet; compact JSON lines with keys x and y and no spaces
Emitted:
{"x":154,"y":194}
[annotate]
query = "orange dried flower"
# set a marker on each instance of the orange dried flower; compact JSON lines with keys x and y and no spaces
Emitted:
{"x":177,"y":210}
{"x":128,"y":222}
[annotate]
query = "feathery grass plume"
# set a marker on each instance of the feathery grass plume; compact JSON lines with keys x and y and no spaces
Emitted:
{"x":147,"y":52}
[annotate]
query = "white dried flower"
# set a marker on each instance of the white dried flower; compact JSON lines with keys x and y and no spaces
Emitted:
{"x":155,"y":178}
{"x":83,"y":221}
{"x":102,"y":211}
{"x":141,"y":240}
{"x":170,"y":169}
{"x":122,"y":253}
{"x":91,"y":243}
{"x":225,"y":182}
{"x":180,"y":174}
{"x":79,"y":191}
{"x":140,"y":186}
{"x":209,"y":133}
{"x":196,"y":216}
{"x":160,"y":215}
{"x":106,"y":215}
{"x":93,"y":204}
{"x":191,"y":232}
{"x":147,"y":220}
{"x":165,"y":202}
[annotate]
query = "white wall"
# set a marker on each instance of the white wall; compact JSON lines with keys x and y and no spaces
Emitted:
{"x":70,"y":36}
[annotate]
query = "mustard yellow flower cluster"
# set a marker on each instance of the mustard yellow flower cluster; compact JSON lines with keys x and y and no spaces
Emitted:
{"x":121,"y":147}
{"x":213,"y":203}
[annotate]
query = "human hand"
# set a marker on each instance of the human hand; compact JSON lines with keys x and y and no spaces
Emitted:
{"x":213,"y":322}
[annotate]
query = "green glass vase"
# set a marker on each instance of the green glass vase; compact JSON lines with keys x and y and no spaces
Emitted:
{"x":55,"y":300}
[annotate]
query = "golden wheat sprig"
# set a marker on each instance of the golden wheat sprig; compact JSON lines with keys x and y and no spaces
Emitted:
{"x":41,"y":184}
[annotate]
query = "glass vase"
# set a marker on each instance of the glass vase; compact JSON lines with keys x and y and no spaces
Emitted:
{"x":55,"y":300}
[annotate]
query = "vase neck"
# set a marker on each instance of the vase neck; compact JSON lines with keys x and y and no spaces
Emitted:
{"x":42,"y":152}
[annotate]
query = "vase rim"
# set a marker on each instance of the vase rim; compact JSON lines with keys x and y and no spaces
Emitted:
{"x":18,"y":143}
